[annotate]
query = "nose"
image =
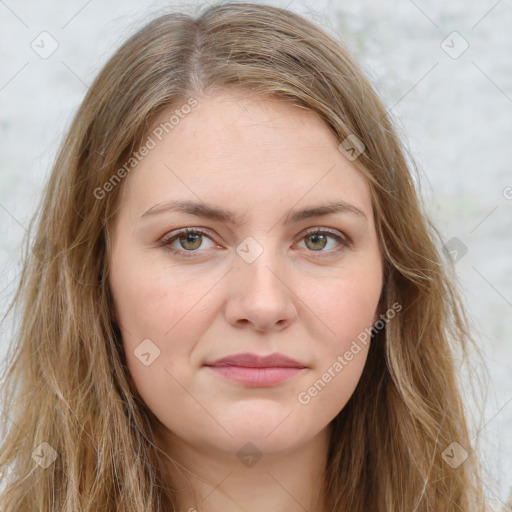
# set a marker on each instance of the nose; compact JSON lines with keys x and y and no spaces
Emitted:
{"x":261,"y":295}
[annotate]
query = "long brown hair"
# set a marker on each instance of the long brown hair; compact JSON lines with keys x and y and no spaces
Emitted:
{"x":67,"y":384}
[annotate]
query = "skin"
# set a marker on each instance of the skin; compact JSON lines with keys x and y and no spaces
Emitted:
{"x":304,"y":297}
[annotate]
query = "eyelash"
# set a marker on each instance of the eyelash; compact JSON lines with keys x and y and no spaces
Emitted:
{"x":168,"y":240}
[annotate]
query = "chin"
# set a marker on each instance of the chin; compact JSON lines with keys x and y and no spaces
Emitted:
{"x":248,"y":444}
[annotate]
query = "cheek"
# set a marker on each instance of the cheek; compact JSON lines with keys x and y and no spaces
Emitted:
{"x":347,"y":307}
{"x":342,"y":354}
{"x":150,"y":299}
{"x":160,"y":312}
{"x":156,"y":331}
{"x":348,"y":303}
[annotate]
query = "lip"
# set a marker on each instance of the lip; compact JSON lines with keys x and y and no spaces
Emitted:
{"x":255,"y":370}
{"x":249,"y":360}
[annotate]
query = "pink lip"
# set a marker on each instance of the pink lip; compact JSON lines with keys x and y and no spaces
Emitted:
{"x":249,"y":360}
{"x":258,"y":371}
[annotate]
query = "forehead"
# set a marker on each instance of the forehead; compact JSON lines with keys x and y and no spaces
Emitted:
{"x":245,"y":150}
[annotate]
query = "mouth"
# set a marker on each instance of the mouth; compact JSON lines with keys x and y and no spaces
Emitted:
{"x":256,"y":377}
{"x":257,"y":371}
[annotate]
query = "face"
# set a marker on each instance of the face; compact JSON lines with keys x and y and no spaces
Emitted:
{"x":264,"y":268}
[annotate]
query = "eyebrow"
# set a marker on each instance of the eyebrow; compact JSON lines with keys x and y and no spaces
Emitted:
{"x":223,"y":215}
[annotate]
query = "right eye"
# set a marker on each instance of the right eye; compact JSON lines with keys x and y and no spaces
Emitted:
{"x":190,"y":239}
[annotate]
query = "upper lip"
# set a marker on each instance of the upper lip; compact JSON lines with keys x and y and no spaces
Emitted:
{"x":256,"y":361}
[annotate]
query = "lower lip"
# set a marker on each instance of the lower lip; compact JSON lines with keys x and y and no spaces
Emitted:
{"x":257,"y":377}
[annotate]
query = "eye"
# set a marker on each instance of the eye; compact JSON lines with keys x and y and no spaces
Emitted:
{"x":317,"y":239}
{"x":189,"y":239}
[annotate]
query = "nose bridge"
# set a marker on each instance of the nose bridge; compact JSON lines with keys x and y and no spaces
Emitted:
{"x":260,"y":293}
{"x":259,"y":262}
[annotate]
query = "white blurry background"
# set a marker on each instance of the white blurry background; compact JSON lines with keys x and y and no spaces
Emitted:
{"x":452,"y":104}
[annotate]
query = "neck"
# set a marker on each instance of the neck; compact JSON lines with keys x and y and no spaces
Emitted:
{"x":212,"y":481}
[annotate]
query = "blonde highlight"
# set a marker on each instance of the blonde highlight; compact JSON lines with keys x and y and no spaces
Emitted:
{"x":386,"y":444}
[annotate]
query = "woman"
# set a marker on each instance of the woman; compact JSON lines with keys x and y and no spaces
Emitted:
{"x":235,"y":300}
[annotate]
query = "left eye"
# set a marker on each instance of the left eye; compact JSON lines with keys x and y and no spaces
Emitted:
{"x":192,"y":239}
{"x":320,"y":238}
